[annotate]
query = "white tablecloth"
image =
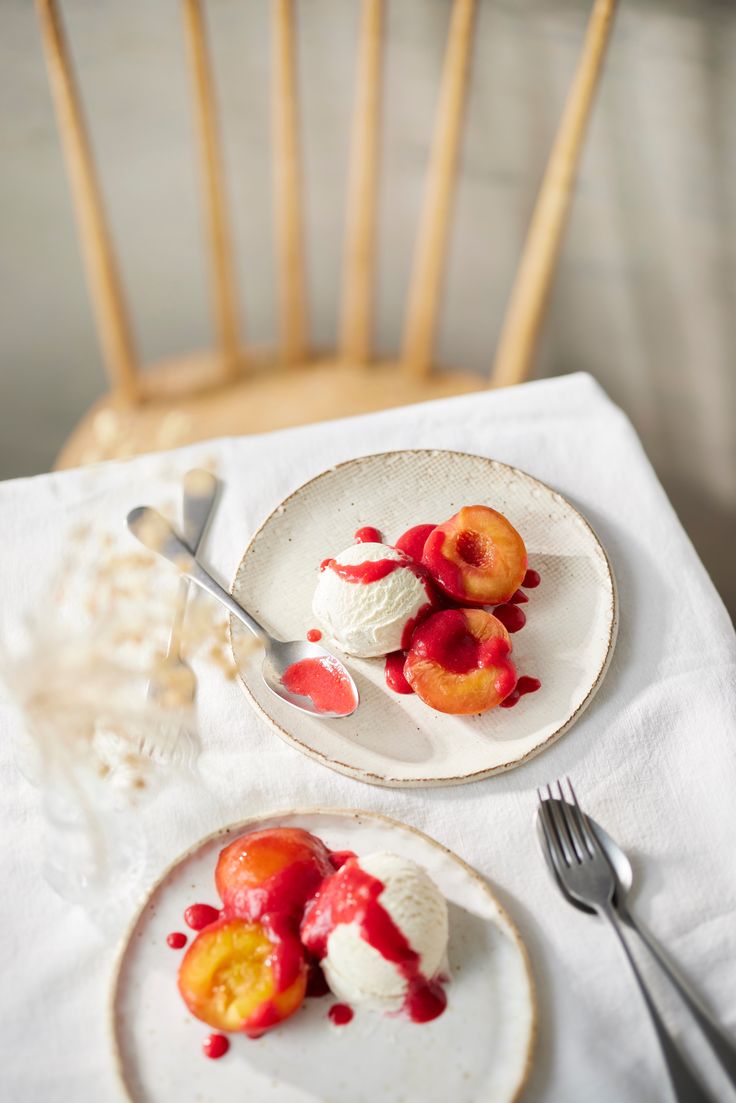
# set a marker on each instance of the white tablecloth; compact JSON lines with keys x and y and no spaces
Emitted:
{"x":654,"y":758}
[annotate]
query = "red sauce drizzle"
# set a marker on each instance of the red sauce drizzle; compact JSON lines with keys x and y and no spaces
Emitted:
{"x":176,"y":940}
{"x":524,"y":685}
{"x":199,"y":916}
{"x":413,"y":540}
{"x":340,"y":1014}
{"x":414,"y":622}
{"x":368,"y":535}
{"x":352,"y":895}
{"x":215,"y":1046}
{"x":518,"y":598}
{"x":445,"y":639}
{"x":394,"y":672}
{"x":284,"y":893}
{"x":531,"y":580}
{"x":446,"y":573}
{"x":340,"y":857}
{"x":317,"y":985}
{"x":323,"y":681}
{"x":313,"y":635}
{"x":372,"y":570}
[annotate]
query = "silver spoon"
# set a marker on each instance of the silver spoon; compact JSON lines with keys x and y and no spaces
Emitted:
{"x":722,"y":1046}
{"x":153,"y":530}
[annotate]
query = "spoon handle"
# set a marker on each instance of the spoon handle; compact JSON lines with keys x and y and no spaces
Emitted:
{"x":200,"y":577}
{"x":723,"y":1046}
{"x":685,"y":1086}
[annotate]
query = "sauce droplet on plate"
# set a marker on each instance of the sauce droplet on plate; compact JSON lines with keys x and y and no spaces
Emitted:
{"x":215,"y":1046}
{"x":340,"y":1014}
{"x":176,"y":940}
{"x":368,"y":535}
{"x":524,"y":685}
{"x":313,"y":635}
{"x":199,"y":916}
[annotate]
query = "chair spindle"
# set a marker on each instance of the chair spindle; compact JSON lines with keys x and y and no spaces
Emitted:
{"x":103,"y":277}
{"x":360,"y":239}
{"x":289,"y":229}
{"x":429,"y":254}
{"x":224,"y":288}
{"x":528,"y":299}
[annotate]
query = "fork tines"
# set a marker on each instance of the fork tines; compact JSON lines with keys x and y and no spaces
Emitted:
{"x":565,"y":825}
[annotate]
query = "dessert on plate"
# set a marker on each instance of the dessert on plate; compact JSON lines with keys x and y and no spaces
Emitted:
{"x":440,"y":604}
{"x":298,"y":919}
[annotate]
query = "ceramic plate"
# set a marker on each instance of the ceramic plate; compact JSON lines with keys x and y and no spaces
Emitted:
{"x":397,"y":740}
{"x":478,"y":1050}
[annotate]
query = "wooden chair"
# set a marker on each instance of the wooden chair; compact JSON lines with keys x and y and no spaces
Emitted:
{"x":234,"y":389}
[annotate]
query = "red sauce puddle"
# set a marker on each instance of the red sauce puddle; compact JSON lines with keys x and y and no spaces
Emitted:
{"x":199,"y":916}
{"x":215,"y":1046}
{"x":511,"y":616}
{"x":368,"y":535}
{"x":531,"y":580}
{"x":340,"y":1014}
{"x":323,"y":681}
{"x":351,"y":895}
{"x":524,"y":685}
{"x":317,"y":985}
{"x":313,"y":635}
{"x":413,"y":540}
{"x":394,"y":672}
{"x":176,"y":940}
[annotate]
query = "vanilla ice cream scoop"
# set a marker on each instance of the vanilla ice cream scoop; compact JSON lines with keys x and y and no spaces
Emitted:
{"x":367,"y":595}
{"x":379,"y":926}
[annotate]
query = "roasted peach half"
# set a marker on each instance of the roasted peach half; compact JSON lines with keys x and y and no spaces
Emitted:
{"x":235,"y":976}
{"x":459,"y":662}
{"x":477,"y":556}
{"x":273,"y":871}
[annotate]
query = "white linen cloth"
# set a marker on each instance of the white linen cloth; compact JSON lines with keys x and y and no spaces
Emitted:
{"x":653,"y":759}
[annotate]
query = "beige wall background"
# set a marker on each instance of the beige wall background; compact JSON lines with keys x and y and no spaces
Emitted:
{"x":645,"y":294}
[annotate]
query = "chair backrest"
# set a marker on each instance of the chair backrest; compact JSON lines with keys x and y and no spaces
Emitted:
{"x":515,"y":350}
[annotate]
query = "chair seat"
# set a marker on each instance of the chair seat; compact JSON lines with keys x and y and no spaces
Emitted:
{"x":181,"y":405}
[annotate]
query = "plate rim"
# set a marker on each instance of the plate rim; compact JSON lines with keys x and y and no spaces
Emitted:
{"x":126,"y":937}
{"x":370,"y":777}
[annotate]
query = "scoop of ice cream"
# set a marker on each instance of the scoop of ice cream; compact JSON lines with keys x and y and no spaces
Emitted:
{"x":379,"y":926}
{"x":366,"y":596}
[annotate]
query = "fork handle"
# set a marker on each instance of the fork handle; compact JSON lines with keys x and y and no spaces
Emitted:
{"x":722,"y":1046}
{"x":684,"y":1084}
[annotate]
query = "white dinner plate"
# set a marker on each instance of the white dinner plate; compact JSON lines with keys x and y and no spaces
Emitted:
{"x":397,"y":740}
{"x":477,"y":1051}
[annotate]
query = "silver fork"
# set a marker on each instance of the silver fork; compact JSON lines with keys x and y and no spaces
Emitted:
{"x":173,"y":741}
{"x":586,"y":875}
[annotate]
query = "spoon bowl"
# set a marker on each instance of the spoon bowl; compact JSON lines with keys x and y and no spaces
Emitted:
{"x":153,"y":530}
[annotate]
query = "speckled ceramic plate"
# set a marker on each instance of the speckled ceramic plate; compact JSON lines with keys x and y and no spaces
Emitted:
{"x":477,"y":1051}
{"x":397,"y":740}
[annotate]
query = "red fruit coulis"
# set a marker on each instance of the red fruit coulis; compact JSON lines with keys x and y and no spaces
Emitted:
{"x":511,"y":616}
{"x":394,"y":671}
{"x":413,"y":540}
{"x":368,"y":535}
{"x":372,"y":570}
{"x":518,"y":598}
{"x":313,"y":635}
{"x":215,"y":1046}
{"x":317,"y":985}
{"x":199,"y":916}
{"x":531,"y":580}
{"x":524,"y":685}
{"x":445,"y":640}
{"x":176,"y":940}
{"x":323,"y":681}
{"x":338,"y":858}
{"x":352,"y":896}
{"x":340,"y":1014}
